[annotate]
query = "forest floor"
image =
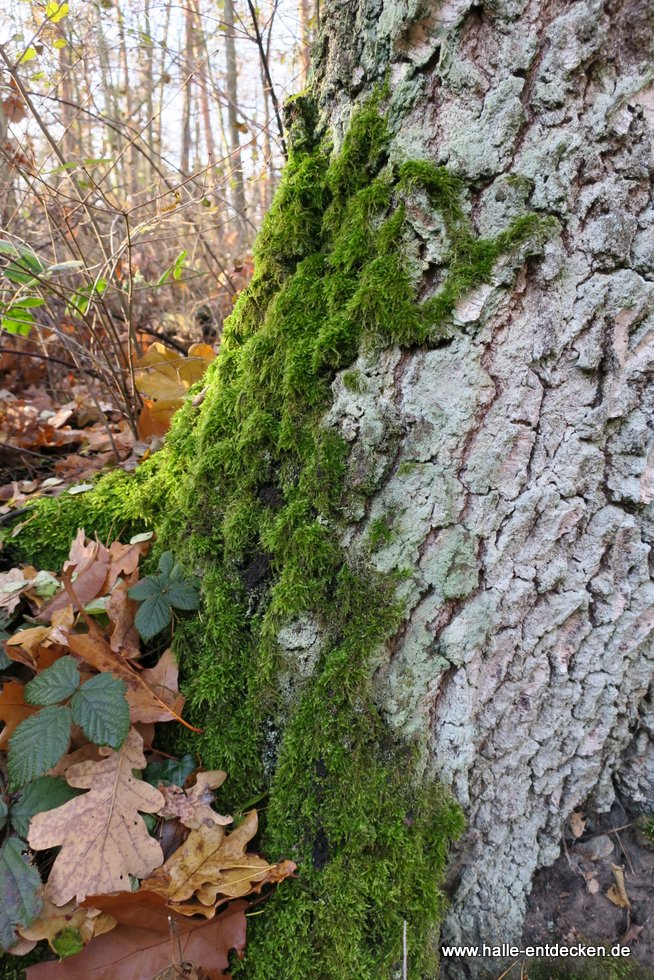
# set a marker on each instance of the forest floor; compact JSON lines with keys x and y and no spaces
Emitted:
{"x":580,"y":899}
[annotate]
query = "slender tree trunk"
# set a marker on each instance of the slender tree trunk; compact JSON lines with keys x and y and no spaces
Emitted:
{"x":231,"y":84}
{"x":187,"y":75}
{"x":518,"y":457}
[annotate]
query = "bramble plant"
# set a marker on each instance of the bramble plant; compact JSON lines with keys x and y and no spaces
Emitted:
{"x":130,"y":823}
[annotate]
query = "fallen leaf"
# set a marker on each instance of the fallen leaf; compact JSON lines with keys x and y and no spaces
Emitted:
{"x":13,"y":709}
{"x":577,"y":823}
{"x":121,"y":610}
{"x":12,"y":584}
{"x":632,"y":935}
{"x":89,"y":560}
{"x":139,"y":946}
{"x":164,"y":376}
{"x":124,"y":560}
{"x":54,"y":918}
{"x":162,"y":679}
{"x":193,"y":806}
{"x":214,"y":866}
{"x":102,"y":836}
{"x":617,"y":893}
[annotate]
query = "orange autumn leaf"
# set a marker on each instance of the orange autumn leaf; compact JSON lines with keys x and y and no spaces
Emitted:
{"x":13,"y":709}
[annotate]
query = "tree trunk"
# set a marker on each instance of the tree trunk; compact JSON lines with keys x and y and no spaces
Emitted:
{"x":419,"y":486}
{"x":526,"y":518}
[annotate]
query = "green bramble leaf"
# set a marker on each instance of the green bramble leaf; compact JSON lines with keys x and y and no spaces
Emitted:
{"x":100,"y":708}
{"x":159,"y":594}
{"x":20,"y":903}
{"x":44,"y":793}
{"x":170,"y":771}
{"x":4,"y":811}
{"x":166,"y":563}
{"x":55,"y":684}
{"x":183,"y":595}
{"x":153,"y":615}
{"x":38,"y":744}
{"x":145,"y":588}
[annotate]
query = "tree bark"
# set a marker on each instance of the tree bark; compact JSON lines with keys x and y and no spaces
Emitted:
{"x":514,"y":464}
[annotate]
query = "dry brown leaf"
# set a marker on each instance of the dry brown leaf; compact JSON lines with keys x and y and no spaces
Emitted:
{"x":139,"y":946}
{"x":124,"y":560}
{"x":121,"y":610}
{"x":214,"y":866}
{"x":193,"y":806}
{"x":162,"y":680}
{"x":617,"y":893}
{"x":54,"y":918}
{"x":12,"y":585}
{"x":164,"y":376}
{"x":85,"y":753}
{"x":89,"y":562}
{"x":35,"y":647}
{"x":577,"y":823}
{"x":13,"y":709}
{"x":102,"y":836}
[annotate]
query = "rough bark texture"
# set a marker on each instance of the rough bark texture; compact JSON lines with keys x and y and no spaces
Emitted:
{"x":513,"y":465}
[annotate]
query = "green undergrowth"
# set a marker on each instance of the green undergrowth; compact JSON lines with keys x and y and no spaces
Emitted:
{"x":249,"y":492}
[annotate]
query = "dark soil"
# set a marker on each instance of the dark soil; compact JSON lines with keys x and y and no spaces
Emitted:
{"x":569,"y":902}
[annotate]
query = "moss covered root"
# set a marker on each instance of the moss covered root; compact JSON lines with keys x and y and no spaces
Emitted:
{"x":250,"y":492}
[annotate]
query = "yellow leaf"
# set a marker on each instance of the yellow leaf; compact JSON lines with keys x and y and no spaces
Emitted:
{"x":29,"y":55}
{"x":214,"y":866}
{"x":59,"y":43}
{"x":56,"y":11}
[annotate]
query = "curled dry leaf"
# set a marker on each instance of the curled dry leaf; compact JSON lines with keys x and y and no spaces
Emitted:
{"x":121,"y":610}
{"x":89,"y":560}
{"x":214,"y":866}
{"x":577,"y":823}
{"x":617,"y":893}
{"x":53,"y":919}
{"x":102,"y":835}
{"x":193,"y":806}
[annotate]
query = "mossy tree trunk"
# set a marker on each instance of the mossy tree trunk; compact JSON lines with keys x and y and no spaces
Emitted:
{"x":512,"y":467}
{"x":419,"y":486}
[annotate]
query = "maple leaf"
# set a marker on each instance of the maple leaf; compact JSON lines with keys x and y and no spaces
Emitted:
{"x":211,"y":863}
{"x":102,"y":836}
{"x":193,"y":806}
{"x":139,"y":946}
{"x":13,"y":709}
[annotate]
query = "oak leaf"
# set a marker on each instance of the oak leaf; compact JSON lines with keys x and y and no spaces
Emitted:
{"x":89,"y":560}
{"x":102,"y":836}
{"x":214,"y":866}
{"x":193,"y":806}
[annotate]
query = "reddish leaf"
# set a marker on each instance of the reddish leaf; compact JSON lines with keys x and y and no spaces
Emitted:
{"x":13,"y":709}
{"x":139,"y":946}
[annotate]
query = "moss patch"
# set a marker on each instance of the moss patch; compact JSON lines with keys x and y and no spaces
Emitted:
{"x":250,"y":492}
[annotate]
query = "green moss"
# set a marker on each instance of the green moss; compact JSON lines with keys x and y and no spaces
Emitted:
{"x":249,"y":491}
